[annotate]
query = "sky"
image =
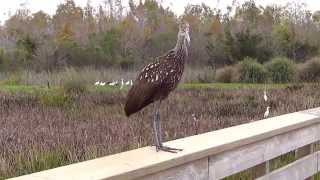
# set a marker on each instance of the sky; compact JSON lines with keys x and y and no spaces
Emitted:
{"x":49,"y":6}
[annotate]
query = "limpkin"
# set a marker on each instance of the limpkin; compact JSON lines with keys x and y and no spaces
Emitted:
{"x":156,"y":80}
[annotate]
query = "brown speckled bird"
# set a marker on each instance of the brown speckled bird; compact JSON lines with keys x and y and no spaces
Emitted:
{"x":157,"y":80}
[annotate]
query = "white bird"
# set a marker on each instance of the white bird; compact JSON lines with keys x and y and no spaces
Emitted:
{"x":102,"y":83}
{"x":127,"y":83}
{"x":113,"y":83}
{"x":97,"y":83}
{"x":122,"y":83}
{"x":265,"y":97}
{"x":194,"y":118}
{"x":266,"y":114}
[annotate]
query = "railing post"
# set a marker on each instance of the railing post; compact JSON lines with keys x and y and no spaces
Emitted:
{"x":304,"y":151}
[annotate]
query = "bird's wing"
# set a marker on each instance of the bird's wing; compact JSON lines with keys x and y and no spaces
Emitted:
{"x":140,"y":95}
{"x":147,"y":86}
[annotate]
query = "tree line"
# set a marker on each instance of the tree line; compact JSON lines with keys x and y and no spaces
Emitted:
{"x":113,"y":35}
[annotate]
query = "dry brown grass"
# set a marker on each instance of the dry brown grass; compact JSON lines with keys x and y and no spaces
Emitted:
{"x":36,"y":135}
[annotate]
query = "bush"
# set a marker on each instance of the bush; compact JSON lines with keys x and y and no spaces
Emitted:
{"x":198,"y":75}
{"x":75,"y":86}
{"x":57,"y":99}
{"x":310,"y":71}
{"x":251,"y":71}
{"x":226,"y":74}
{"x":74,"y":82}
{"x":13,"y":80}
{"x":126,"y":63}
{"x":281,"y":70}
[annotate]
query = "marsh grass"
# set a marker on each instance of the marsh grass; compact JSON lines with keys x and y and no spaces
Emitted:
{"x":90,"y":75}
{"x":39,"y":133}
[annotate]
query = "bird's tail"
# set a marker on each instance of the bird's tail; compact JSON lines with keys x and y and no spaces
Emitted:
{"x":132,"y":103}
{"x":136,"y":100}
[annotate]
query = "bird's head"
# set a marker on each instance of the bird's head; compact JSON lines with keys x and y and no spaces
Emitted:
{"x":184,"y":32}
{"x":268,"y":107}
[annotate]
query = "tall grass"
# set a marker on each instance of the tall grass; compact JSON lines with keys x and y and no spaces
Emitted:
{"x":90,"y":75}
{"x":38,"y":131}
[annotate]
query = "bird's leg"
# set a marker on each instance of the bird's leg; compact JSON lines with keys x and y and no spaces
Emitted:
{"x":159,"y":134}
{"x":154,"y":124}
{"x":159,"y":126}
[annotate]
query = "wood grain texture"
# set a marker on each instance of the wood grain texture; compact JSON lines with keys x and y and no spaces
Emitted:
{"x":239,"y":159}
{"x":196,"y":170}
{"x":300,"y":169}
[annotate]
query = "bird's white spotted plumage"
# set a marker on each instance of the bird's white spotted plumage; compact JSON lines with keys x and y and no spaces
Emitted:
{"x":157,"y":80}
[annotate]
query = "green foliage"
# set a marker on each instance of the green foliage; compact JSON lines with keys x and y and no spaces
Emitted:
{"x":316,"y":16}
{"x":1,"y":56}
{"x":126,"y":64}
{"x":283,"y":38}
{"x":159,"y":43}
{"x":251,"y":71}
{"x":207,"y":75}
{"x":249,"y":12}
{"x":248,"y":44}
{"x":57,"y":99}
{"x":12,"y":80}
{"x":37,"y":161}
{"x":111,"y":43}
{"x":226,"y":74}
{"x":281,"y":70}
{"x":310,"y":71}
{"x":25,"y":49}
{"x":76,"y":36}
{"x":74,"y":86}
{"x":4,"y":60}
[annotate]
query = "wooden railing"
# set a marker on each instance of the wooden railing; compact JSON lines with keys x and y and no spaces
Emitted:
{"x":213,"y":155}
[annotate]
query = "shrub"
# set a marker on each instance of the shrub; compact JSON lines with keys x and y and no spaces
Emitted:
{"x":205,"y":77}
{"x":75,"y":86}
{"x":251,"y":71}
{"x":74,"y":82}
{"x":13,"y":80}
{"x":281,"y":70}
{"x":310,"y":71}
{"x":58,"y":99}
{"x":4,"y":61}
{"x":226,"y":74}
{"x":126,"y":63}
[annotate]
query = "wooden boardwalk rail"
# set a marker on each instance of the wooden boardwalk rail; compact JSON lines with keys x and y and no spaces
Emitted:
{"x":213,"y":155}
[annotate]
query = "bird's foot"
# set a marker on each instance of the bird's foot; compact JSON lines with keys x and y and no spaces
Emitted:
{"x":168,"y":149}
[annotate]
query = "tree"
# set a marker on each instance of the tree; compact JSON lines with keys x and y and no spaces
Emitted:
{"x":316,"y":16}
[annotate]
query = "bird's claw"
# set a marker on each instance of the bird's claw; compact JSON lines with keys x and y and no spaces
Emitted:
{"x":168,"y":149}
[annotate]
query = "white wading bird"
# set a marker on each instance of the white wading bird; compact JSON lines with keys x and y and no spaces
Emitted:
{"x":265,"y":97}
{"x":266,"y":114}
{"x":97,"y":83}
{"x":127,"y":83}
{"x":122,"y":83}
{"x":102,"y":83}
{"x":114,"y":83}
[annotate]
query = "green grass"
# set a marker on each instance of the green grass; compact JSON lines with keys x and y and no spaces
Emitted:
{"x":231,"y":86}
{"x":226,"y":86}
{"x":21,"y":88}
{"x":40,"y":161}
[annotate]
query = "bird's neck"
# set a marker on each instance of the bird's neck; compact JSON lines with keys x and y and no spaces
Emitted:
{"x":181,"y":49}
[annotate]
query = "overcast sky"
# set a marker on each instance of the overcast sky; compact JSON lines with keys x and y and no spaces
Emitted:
{"x":49,"y":6}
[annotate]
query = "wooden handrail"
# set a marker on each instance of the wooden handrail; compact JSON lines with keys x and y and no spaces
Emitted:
{"x":204,"y":150}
